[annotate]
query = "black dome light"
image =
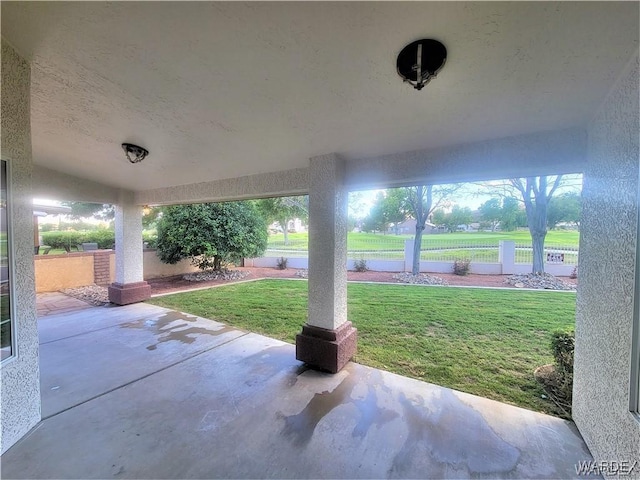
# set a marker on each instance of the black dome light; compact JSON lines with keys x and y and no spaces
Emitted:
{"x":420,"y":61}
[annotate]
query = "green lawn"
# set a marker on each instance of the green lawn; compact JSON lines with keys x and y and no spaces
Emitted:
{"x":376,"y":241}
{"x":482,"y":341}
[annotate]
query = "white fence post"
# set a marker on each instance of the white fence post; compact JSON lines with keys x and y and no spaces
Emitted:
{"x":507,"y":256}
{"x":408,"y":255}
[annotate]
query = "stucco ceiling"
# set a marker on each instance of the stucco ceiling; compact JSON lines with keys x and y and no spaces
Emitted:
{"x":221,"y":90}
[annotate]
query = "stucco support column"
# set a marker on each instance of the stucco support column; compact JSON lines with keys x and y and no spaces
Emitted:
{"x":328,"y":340}
{"x":129,"y":286}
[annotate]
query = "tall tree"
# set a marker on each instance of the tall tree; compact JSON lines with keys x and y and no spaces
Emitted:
{"x":536,"y":193}
{"x":453,"y":219}
{"x":420,"y":202}
{"x":566,"y":207}
{"x":513,"y":215}
{"x":491,"y":212}
{"x":284,"y":209}
{"x":387,"y":209}
{"x":394,"y":207}
{"x":99,"y":211}
{"x":211,"y":233}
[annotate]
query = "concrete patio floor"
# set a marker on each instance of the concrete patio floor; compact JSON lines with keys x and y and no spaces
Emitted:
{"x":144,"y":392}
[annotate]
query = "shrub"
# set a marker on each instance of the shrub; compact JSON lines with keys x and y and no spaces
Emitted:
{"x":63,"y":240}
{"x":105,"y":238}
{"x":360,"y":265}
{"x":281,"y":263}
{"x":150,"y":238}
{"x":461,"y":267}
{"x":562,"y":347}
{"x":574,"y":273}
{"x":211,"y":234}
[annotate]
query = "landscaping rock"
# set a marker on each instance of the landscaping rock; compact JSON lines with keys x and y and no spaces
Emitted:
{"x":304,"y":273}
{"x":545,"y":281}
{"x":93,"y":294}
{"x":215,"y":275}
{"x":421,"y":279}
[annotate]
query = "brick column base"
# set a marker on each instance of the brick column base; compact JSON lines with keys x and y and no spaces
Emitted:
{"x":327,"y":350}
{"x":102,"y":267}
{"x":129,"y":292}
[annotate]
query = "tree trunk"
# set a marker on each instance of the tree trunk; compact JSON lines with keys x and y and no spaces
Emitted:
{"x":417,"y":247}
{"x":285,"y":230}
{"x":217,"y":261}
{"x":537,"y":243}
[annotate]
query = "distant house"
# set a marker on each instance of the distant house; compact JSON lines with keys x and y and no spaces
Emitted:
{"x":408,"y":227}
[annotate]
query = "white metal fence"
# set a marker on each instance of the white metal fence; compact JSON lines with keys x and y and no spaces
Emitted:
{"x":395,"y":253}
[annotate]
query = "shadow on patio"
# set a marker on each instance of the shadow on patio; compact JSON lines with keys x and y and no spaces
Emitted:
{"x":144,"y":392}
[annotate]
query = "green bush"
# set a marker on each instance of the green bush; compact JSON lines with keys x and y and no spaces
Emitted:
{"x":104,"y":238}
{"x":461,"y":267}
{"x":360,"y":265}
{"x":63,"y":240}
{"x":151,"y":239}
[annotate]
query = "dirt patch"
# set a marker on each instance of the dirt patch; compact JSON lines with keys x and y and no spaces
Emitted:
{"x":177,"y":283}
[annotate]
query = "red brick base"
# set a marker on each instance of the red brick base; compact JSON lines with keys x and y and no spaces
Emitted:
{"x":327,"y":350}
{"x":129,"y":293}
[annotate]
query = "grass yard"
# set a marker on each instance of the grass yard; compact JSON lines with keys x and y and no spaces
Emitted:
{"x":482,"y":341}
{"x":375,"y":242}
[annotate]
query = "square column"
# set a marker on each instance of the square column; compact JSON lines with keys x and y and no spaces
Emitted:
{"x":328,"y":340}
{"x":129,"y":286}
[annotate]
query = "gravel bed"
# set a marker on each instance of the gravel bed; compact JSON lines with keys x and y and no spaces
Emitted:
{"x":215,"y":275}
{"x":93,"y":294}
{"x":544,"y":281}
{"x":304,"y":273}
{"x":421,"y":279}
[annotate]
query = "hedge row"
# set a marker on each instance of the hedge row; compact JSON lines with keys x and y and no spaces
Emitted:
{"x":71,"y":239}
{"x":104,"y":238}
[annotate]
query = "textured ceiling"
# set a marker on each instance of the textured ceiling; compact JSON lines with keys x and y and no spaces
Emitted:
{"x":221,"y":90}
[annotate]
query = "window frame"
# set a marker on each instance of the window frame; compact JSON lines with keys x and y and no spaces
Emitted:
{"x":634,"y":397}
{"x":10,"y":263}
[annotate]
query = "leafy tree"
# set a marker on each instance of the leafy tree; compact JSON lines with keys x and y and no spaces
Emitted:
{"x":394,"y":208}
{"x":388,"y":208}
{"x":211,"y":233}
{"x":150,"y":217}
{"x":535,"y":193}
{"x":566,"y":207}
{"x":439,"y":218}
{"x":99,"y":211}
{"x":376,"y":220}
{"x":491,"y":211}
{"x":420,"y":202}
{"x":513,"y":216}
{"x":457,"y":216}
{"x":283,"y":210}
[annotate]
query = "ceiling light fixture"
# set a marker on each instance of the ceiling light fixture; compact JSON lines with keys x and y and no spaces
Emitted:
{"x":420,"y":61}
{"x":134,"y":153}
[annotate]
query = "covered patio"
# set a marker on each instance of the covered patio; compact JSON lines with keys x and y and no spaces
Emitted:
{"x":247,"y":100}
{"x":145,"y":392}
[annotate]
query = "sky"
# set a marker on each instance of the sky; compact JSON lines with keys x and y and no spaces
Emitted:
{"x":468,"y":196}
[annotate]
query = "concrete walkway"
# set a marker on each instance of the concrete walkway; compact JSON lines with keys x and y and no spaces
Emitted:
{"x":144,"y":392}
{"x":54,"y":303}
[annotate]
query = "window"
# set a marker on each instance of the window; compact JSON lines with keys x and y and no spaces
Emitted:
{"x":6,"y":317}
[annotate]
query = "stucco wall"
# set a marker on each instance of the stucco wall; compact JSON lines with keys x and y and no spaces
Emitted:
{"x":57,"y":272}
{"x":154,"y":268}
{"x":541,"y":153}
{"x":605,"y":300}
{"x":20,"y":389}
